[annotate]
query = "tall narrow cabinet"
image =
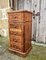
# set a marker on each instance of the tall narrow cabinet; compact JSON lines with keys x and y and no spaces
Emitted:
{"x":20,"y":31}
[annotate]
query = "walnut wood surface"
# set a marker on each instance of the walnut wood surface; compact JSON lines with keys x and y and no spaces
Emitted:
{"x":20,"y":30}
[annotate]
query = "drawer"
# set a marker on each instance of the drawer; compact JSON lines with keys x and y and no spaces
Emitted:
{"x":16,"y":33}
{"x":16,"y":39}
{"x":15,"y":16}
{"x":16,"y":42}
{"x":15,"y":25}
{"x":15,"y":30}
{"x":18,"y":46}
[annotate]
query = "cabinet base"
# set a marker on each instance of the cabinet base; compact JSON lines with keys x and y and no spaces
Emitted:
{"x":21,"y":53}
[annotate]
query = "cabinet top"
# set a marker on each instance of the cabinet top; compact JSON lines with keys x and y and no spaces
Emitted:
{"x":18,"y":11}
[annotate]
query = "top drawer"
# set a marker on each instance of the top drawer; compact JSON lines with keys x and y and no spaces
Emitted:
{"x":20,"y":16}
{"x":15,"y":16}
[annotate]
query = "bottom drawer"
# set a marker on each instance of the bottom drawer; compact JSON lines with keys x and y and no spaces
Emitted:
{"x":16,"y":46}
{"x":16,"y":42}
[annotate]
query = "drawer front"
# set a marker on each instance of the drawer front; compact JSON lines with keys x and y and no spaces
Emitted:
{"x":15,"y":16}
{"x":17,"y":46}
{"x":15,"y":25}
{"x":16,"y":42}
{"x":16,"y":33}
{"x":16,"y":39}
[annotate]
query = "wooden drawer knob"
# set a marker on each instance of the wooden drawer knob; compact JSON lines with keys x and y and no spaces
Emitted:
{"x":14,"y":46}
{"x":14,"y":33}
{"x":15,"y":27}
{"x":15,"y":17}
{"x":15,"y":40}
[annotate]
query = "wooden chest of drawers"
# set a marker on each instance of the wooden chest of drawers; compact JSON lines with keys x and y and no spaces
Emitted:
{"x":20,"y":31}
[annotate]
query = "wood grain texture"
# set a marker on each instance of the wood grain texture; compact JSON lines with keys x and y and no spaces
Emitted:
{"x":20,"y":31}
